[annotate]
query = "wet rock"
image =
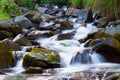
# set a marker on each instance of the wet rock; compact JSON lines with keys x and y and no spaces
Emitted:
{"x":42,"y":10}
{"x":84,"y":15}
{"x":101,"y":23}
{"x":21,"y":40}
{"x":72,"y":20}
{"x":65,"y":36}
{"x":89,"y":36}
{"x":109,"y":48}
{"x":34,"y":16}
{"x":70,"y":11}
{"x":5,"y":34}
{"x":33,"y":70}
{"x":64,"y":25}
{"x":64,"y":8}
{"x":47,"y":17}
{"x":6,"y":56}
{"x":35,"y":43}
{"x":60,"y":14}
{"x":23,"y":22}
{"x":47,"y":25}
{"x":35,"y":34}
{"x":40,"y":57}
{"x":10,"y":26}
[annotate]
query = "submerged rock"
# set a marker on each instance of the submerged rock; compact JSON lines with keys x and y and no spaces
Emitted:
{"x":6,"y":56}
{"x":33,"y":70}
{"x":40,"y":57}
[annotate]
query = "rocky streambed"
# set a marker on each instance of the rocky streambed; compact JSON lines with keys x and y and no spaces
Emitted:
{"x":59,"y":43}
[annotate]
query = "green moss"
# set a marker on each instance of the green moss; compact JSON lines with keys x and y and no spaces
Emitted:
{"x":3,"y":15}
{"x":47,"y":55}
{"x":6,"y":56}
{"x":11,"y":58}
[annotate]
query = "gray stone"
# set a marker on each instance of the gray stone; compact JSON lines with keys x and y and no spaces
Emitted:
{"x":23,"y":22}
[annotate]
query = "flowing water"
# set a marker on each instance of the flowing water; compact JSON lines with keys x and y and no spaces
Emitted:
{"x":74,"y":56}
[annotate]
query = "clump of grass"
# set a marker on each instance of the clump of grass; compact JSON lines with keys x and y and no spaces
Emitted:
{"x":3,"y":15}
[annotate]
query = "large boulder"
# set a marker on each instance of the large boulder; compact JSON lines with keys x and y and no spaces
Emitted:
{"x":84,"y":15}
{"x":23,"y":22}
{"x":40,"y":57}
{"x":10,"y":26}
{"x":109,"y":48}
{"x":21,"y":40}
{"x":6,"y":56}
{"x":34,"y":16}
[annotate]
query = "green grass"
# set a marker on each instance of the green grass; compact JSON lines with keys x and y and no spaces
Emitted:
{"x":3,"y":15}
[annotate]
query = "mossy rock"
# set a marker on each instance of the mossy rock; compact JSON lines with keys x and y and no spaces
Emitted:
{"x":117,"y":36}
{"x":101,"y":34}
{"x":6,"y":56}
{"x":40,"y":57}
{"x":44,"y":54}
{"x":109,"y":48}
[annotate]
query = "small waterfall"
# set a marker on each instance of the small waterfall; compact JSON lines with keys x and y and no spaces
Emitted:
{"x":87,"y":58}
